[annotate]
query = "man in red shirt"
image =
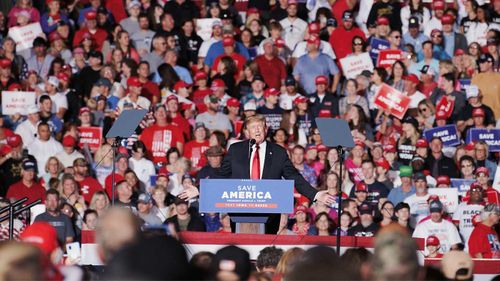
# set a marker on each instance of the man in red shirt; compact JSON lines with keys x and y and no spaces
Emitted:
{"x":161,"y":136}
{"x":229,"y":51}
{"x":121,"y":164}
{"x":98,"y":35}
{"x":87,"y":184}
{"x":341,"y":38}
{"x":483,"y":241}
{"x":177,"y":119}
{"x":27,"y":186}
{"x":271,"y":67}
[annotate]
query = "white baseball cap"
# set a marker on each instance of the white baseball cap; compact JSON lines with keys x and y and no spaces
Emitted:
{"x":472,"y":91}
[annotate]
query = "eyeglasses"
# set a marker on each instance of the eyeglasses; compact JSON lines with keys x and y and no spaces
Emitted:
{"x":397,"y":36}
{"x":437,"y":36}
{"x":466,"y":166}
{"x":473,"y":47}
{"x":423,"y":109}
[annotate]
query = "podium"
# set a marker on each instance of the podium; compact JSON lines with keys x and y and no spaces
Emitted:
{"x":248,"y":202}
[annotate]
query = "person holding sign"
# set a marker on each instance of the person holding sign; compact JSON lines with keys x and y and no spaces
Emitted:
{"x":258,"y":157}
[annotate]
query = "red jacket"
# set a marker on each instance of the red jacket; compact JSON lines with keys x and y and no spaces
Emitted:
{"x":484,"y":240}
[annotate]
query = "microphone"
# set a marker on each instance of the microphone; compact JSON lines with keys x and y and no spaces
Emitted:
{"x":252,"y":142}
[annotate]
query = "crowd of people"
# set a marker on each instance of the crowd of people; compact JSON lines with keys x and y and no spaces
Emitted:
{"x":280,"y":60}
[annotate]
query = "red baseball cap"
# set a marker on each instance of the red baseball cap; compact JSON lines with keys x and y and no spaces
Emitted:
{"x":5,"y":63}
{"x":478,"y":112}
{"x":438,"y":5}
{"x":422,"y":143}
{"x":447,"y":19}
{"x":279,"y":42}
{"x":322,"y":79}
{"x":69,"y":141}
{"x":293,"y":2}
{"x":233,"y":102}
{"x":252,"y":10}
{"x":50,"y":1}
{"x":432,"y":241}
{"x":470,"y":146}
{"x":200,"y":75}
{"x":14,"y":141}
{"x":83,"y":110}
{"x":382,"y":21}
{"x":412,"y":78}
{"x":313,"y":28}
{"x":301,"y":208}
{"x":228,"y":41}
{"x":443,"y":179}
{"x":217,"y":83}
{"x":389,"y":148}
{"x":271,"y":91}
{"x":63,"y":76}
{"x":361,"y":187}
{"x":54,"y":36}
{"x":325,"y":113}
{"x":459,"y":52}
{"x":42,"y":235}
{"x":14,"y":86}
{"x":180,"y":84}
{"x":313,"y":39}
{"x":134,"y":82}
{"x":441,"y":115}
{"x":91,"y":15}
{"x":311,"y":147}
{"x":299,"y":99}
{"x":382,"y":162}
{"x":359,"y":143}
{"x":475,"y":187}
{"x":322,"y":148}
{"x":172,"y":97}
{"x":482,"y":170}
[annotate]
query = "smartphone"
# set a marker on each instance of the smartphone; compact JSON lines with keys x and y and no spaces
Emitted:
{"x":73,"y":250}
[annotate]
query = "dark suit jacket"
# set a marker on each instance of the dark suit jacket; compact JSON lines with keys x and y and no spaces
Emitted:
{"x":460,"y":42}
{"x":277,"y":165}
{"x":330,"y":102}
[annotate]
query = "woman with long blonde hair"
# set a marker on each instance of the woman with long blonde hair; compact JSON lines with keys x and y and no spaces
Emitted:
{"x":103,"y":162}
{"x":286,"y":262}
{"x":99,"y":202}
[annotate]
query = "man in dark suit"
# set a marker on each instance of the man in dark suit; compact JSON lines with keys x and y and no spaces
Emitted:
{"x":266,"y":161}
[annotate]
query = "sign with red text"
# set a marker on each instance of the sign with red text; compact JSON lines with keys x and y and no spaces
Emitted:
{"x":24,"y":35}
{"x":92,"y":136}
{"x":17,"y":102}
{"x":393,"y":100}
{"x":204,"y":27}
{"x":447,"y":196}
{"x":354,"y":65}
{"x":386,"y":58}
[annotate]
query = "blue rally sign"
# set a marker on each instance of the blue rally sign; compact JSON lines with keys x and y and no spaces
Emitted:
{"x":491,"y":137}
{"x":463,"y":185}
{"x":447,"y":134}
{"x":378,"y":45}
{"x":246,"y":196}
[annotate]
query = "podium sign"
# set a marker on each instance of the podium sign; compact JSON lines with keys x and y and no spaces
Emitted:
{"x":246,"y":196}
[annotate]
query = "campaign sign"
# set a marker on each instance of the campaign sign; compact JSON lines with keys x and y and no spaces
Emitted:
{"x":447,"y":134}
{"x":393,"y":100}
{"x":386,"y":58}
{"x":446,"y":106}
{"x":92,"y":136}
{"x":496,"y":180}
{"x":246,"y":196}
{"x":464,"y":84}
{"x":447,"y":196}
{"x":17,"y":102}
{"x":489,"y":136}
{"x":25,"y":35}
{"x":354,"y":65}
{"x":378,"y":45}
{"x":462,"y":185}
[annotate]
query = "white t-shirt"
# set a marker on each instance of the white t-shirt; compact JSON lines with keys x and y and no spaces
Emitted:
{"x":143,"y":168}
{"x":286,"y":101}
{"x":43,"y":150}
{"x":205,"y":46}
{"x":67,"y":159}
{"x":419,"y":208}
{"x":463,"y":215}
{"x":445,"y":231}
{"x":415,"y":99}
{"x":293,"y":31}
{"x":27,"y":131}
{"x":434,"y":23}
{"x":59,"y":101}
{"x":142,"y":103}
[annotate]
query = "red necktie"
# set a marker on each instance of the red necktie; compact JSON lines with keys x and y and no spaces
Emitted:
{"x":256,"y":164}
